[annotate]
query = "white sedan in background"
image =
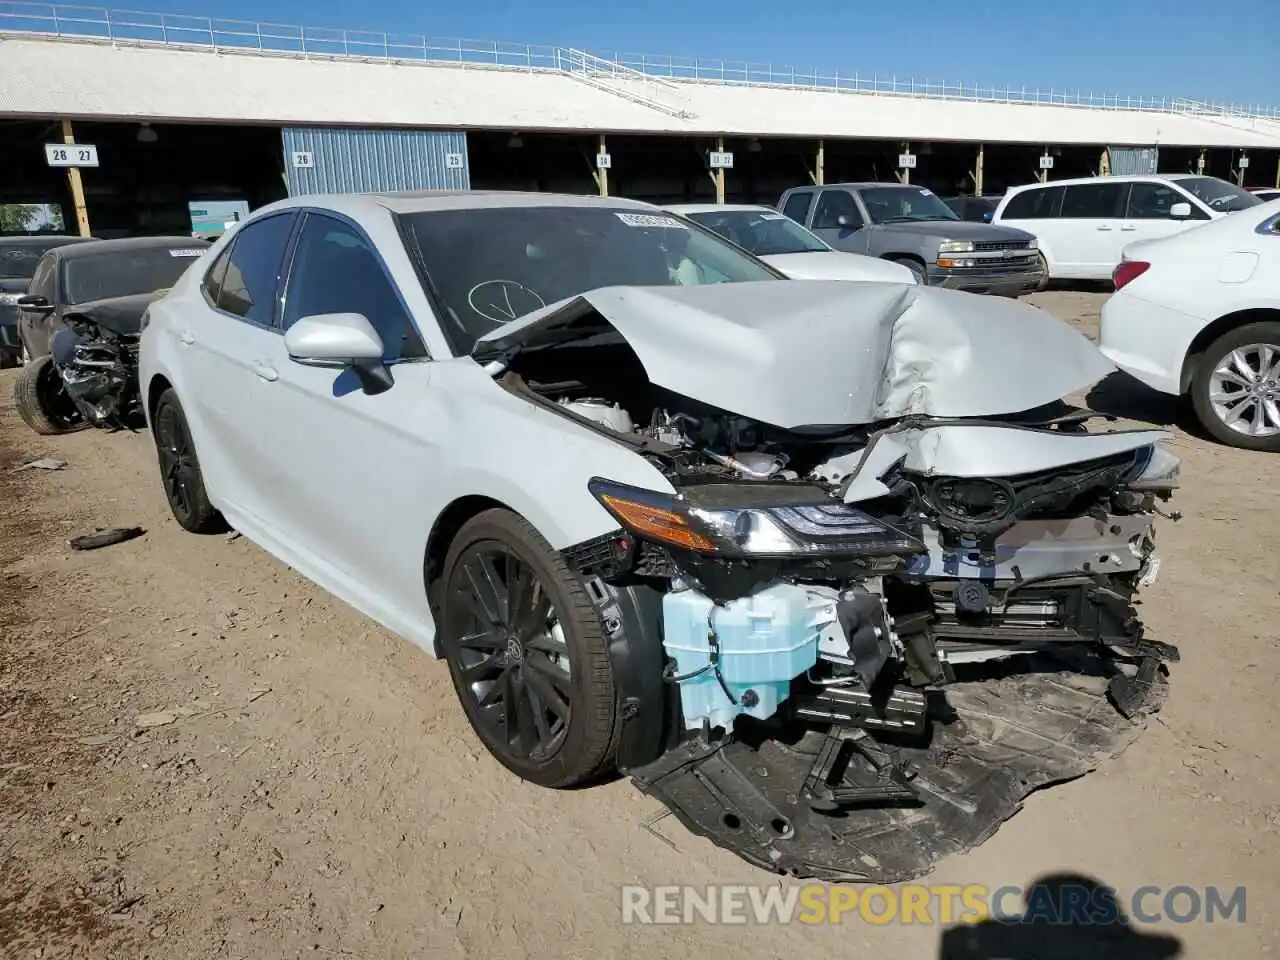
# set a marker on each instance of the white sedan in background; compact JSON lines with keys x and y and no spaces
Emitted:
{"x":1198,"y":314}
{"x":788,"y":247}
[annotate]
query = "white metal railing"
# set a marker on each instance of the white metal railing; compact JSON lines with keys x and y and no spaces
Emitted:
{"x":653,"y":92}
{"x":133,"y":26}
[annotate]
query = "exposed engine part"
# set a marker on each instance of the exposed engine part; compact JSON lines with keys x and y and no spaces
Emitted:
{"x":602,"y":412}
{"x":752,"y":465}
{"x":900,"y":710}
{"x":862,"y":640}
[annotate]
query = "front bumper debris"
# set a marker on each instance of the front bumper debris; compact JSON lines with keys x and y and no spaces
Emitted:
{"x":865,"y":802}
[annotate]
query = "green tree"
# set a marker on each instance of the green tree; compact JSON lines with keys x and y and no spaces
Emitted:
{"x":18,"y":217}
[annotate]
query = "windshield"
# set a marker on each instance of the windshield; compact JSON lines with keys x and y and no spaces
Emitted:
{"x":122,"y":273}
{"x":489,"y":266}
{"x":762,"y":232}
{"x":18,"y":260}
{"x":904,"y":205}
{"x":1218,"y":195}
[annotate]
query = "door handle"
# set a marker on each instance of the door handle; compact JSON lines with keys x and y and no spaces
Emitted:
{"x":1104,"y":228}
{"x":1128,"y":228}
{"x":265,"y":371}
{"x":187,"y":337}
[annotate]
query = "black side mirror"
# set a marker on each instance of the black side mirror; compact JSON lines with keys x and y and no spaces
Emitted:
{"x":35,"y":303}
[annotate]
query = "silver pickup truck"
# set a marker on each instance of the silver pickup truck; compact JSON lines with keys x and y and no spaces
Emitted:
{"x":912,"y":226}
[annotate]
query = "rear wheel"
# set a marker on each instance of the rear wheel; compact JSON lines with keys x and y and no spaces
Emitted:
{"x":42,"y":400}
{"x":180,"y":470}
{"x":1236,"y":391}
{"x":527,"y":653}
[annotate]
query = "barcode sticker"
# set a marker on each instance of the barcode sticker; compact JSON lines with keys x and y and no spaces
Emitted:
{"x":650,"y":220}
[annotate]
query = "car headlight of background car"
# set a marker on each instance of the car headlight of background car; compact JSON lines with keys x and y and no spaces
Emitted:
{"x":956,"y":246}
{"x":808,"y":527}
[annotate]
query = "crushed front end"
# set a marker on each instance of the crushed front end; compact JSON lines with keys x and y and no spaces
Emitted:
{"x":871,"y":660}
{"x":98,"y":368}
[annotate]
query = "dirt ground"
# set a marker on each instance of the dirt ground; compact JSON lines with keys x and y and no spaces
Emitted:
{"x":314,"y":789}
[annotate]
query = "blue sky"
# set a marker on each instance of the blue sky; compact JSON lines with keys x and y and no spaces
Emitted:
{"x":1225,"y":50}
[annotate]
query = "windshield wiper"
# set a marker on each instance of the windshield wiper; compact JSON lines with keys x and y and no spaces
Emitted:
{"x":915,"y":219}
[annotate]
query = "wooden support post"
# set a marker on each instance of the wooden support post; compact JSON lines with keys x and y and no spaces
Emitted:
{"x":821,"y":162}
{"x":1104,"y":163}
{"x":602,"y":173}
{"x":77,"y":185}
{"x":1240,"y":168}
{"x":1201,"y":162}
{"x":719,"y":176}
{"x":978,"y":171}
{"x":904,"y":176}
{"x":1044,"y":174}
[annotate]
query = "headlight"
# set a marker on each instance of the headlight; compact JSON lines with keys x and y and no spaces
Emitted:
{"x":956,"y":246}
{"x":814,"y":525}
{"x":1160,"y":473}
{"x":1033,"y":244}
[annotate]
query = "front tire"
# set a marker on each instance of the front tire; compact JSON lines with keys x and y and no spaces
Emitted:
{"x":527,"y":653}
{"x":1236,"y":390}
{"x":180,"y":470}
{"x":42,"y":401}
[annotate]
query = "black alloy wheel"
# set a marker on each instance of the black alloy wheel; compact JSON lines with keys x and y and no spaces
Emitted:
{"x":526,"y":653}
{"x":180,"y":470}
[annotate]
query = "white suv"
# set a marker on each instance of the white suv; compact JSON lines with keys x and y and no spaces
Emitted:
{"x":1084,"y":225}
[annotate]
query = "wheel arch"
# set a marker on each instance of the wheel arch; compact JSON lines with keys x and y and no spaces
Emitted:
{"x":1219,"y":328}
{"x":447,"y":525}
{"x":155,"y":390}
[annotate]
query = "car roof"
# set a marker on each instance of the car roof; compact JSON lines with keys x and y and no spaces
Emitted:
{"x":868,"y":184}
{"x":423,"y":201}
{"x":44,"y":239}
{"x":686,"y":208}
{"x":80,"y":251}
{"x":1110,"y":178}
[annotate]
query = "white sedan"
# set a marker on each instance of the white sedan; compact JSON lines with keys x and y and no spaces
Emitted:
{"x":782,"y":243}
{"x":1198,"y":314}
{"x":640,"y":492}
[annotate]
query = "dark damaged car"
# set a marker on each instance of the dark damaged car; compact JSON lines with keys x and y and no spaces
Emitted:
{"x":829,"y":568}
{"x":79,"y":322}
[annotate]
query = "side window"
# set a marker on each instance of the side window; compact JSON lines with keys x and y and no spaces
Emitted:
{"x":335,"y":271}
{"x":217,"y":273}
{"x":834,"y":204}
{"x":1038,"y":204}
{"x":1094,"y":201}
{"x":798,"y":204}
{"x":251,"y":278}
{"x":1151,"y":201}
{"x":42,"y":280}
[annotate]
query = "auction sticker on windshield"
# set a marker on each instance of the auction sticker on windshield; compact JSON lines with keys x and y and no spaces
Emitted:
{"x":649,"y":220}
{"x":186,"y":252}
{"x":772,"y":216}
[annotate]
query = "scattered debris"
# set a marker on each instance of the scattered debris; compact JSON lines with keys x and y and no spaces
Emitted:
{"x":98,"y":739}
{"x":106,"y":538}
{"x":233,"y":535}
{"x":161,"y":718}
{"x":258,"y":693}
{"x":44,"y":463}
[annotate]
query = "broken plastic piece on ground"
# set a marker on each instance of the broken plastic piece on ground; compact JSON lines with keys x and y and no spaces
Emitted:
{"x":44,"y":463}
{"x":1006,"y":736}
{"x":106,"y":538}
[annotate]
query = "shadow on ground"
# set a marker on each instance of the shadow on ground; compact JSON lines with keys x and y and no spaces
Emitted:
{"x":1120,"y":395}
{"x":1065,"y":917}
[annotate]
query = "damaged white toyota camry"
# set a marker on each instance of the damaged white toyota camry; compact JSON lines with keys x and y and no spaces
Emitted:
{"x":830,"y":569}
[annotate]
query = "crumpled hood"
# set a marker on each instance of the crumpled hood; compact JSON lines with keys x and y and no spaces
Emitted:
{"x":119,"y":315}
{"x":823,"y":353}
